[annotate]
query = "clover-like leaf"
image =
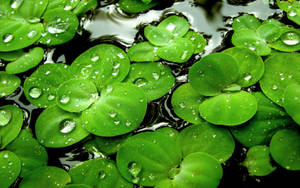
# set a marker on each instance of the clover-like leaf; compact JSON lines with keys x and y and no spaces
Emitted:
{"x":8,"y":83}
{"x":49,"y":176}
{"x":25,"y":62}
{"x":185,"y":102}
{"x":31,"y":154}
{"x":245,"y":22}
{"x":251,"y":66}
{"x":136,"y":6}
{"x":289,"y":40}
{"x":198,"y":40}
{"x":143,"y":51}
{"x":98,"y":173}
{"x":207,"y":138}
{"x":76,"y":95}
{"x":229,"y":109}
{"x":177,"y":25}
{"x":291,"y":102}
{"x":155,"y":79}
{"x":41,"y":86}
{"x":11,"y":121}
{"x":18,"y":33}
{"x":104,"y":64}
{"x":281,"y":70}
{"x":10,"y":168}
{"x":149,"y":157}
{"x":202,"y":74}
{"x":258,"y":161}
{"x":60,"y":26}
{"x":119,"y":110}
{"x":57,"y":128}
{"x":285,"y":148}
{"x":267,"y":120}
{"x":157,"y":36}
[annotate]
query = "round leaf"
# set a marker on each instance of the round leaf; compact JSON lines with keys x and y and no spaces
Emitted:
{"x":143,"y":51}
{"x":292,"y":102}
{"x":198,"y":40}
{"x":85,"y":6}
{"x":289,"y":40}
{"x":57,"y":128}
{"x":30,"y":10}
{"x":10,"y":168}
{"x":136,"y":6}
{"x":177,"y":25}
{"x":269,"y":32}
{"x":245,"y":22}
{"x":229,"y":108}
{"x":119,"y":110}
{"x":8,"y":83}
{"x":155,"y":79}
{"x":157,"y":36}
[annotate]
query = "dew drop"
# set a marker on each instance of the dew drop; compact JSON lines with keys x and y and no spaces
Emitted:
{"x":64,"y":99}
{"x":35,"y":92}
{"x":5,"y":156}
{"x":5,"y":117}
{"x":290,"y":38}
{"x":128,"y":123}
{"x":117,"y":122}
{"x":8,"y":38}
{"x":51,"y":97}
{"x":67,"y":126}
{"x":155,"y":75}
{"x":16,"y":4}
{"x":112,"y":114}
{"x":182,"y":105}
{"x":140,"y":82}
{"x":32,"y":34}
{"x":134,"y":169}
{"x":274,"y":87}
{"x":95,"y":58}
{"x":102,"y":175}
{"x":292,"y":13}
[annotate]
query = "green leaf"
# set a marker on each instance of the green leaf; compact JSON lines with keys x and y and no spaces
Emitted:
{"x":26,"y":62}
{"x":143,"y":51}
{"x":10,"y":168}
{"x":65,"y":4}
{"x":285,"y":148}
{"x":11,"y":121}
{"x":11,"y":56}
{"x":148,"y":157}
{"x":179,"y":50}
{"x":229,"y":109}
{"x":251,"y":66}
{"x":292,"y":8}
{"x":18,"y":33}
{"x":258,"y":161}
{"x":291,"y":102}
{"x":157,"y":36}
{"x":207,"y":138}
{"x":76,"y":95}
{"x":31,"y":154}
{"x":289,"y":40}
{"x":198,"y":40}
{"x":60,"y":26}
{"x":50,"y":177}
{"x":267,"y":120}
{"x":56,"y":128}
{"x":41,"y":86}
{"x":104,"y":64}
{"x":185,"y":102}
{"x":119,"y":110}
{"x":98,"y":173}
{"x":269,"y":32}
{"x":281,"y":70}
{"x":30,"y":10}
{"x":213,"y":73}
{"x":85,"y":6}
{"x":177,"y":25}
{"x":155,"y":79}
{"x":8,"y":83}
{"x":136,"y":6}
{"x":245,"y":22}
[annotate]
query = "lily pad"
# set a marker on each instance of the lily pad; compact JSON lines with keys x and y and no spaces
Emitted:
{"x":258,"y":161}
{"x":57,"y":128}
{"x":229,"y":109}
{"x":60,"y":26}
{"x":157,"y":36}
{"x":8,"y":83}
{"x":198,"y":40}
{"x":177,"y":25}
{"x":214,"y":73}
{"x":207,"y":138}
{"x":25,"y":62}
{"x":119,"y":110}
{"x":98,"y":173}
{"x":286,"y":157}
{"x":41,"y":86}
{"x":31,"y":154}
{"x":143,"y":51}
{"x":292,"y":102}
{"x":76,"y":95}
{"x":185,"y":102}
{"x":10,"y":168}
{"x":281,"y":70}
{"x":136,"y":6}
{"x":11,"y":121}
{"x":49,"y":176}
{"x":155,"y":79}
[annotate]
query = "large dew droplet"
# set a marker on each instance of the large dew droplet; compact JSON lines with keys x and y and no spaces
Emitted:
{"x":32,"y":34}
{"x":5,"y":117}
{"x":14,"y":4}
{"x":102,"y":175}
{"x":64,"y":99}
{"x":67,"y":126}
{"x":35,"y":92}
{"x":134,"y":169}
{"x":290,"y":38}
{"x":8,"y":38}
{"x":140,"y":82}
{"x":56,"y":28}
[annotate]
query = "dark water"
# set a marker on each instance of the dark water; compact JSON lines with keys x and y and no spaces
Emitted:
{"x":108,"y":24}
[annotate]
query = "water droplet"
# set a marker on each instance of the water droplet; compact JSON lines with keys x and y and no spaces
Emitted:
{"x":116,"y":65}
{"x":64,"y":99}
{"x":290,"y":38}
{"x":140,"y":82}
{"x":117,"y":122}
{"x":109,"y":89}
{"x":67,"y":7}
{"x":247,"y":77}
{"x":16,"y":4}
{"x":5,"y":156}
{"x":115,"y":72}
{"x":182,"y":105}
{"x":32,"y":34}
{"x":34,"y":20}
{"x":128,"y":123}
{"x":155,"y":75}
{"x":57,"y":27}
{"x":8,"y":38}
{"x":274,"y":87}
{"x":112,"y":114}
{"x":134,"y":169}
{"x":102,"y":175}
{"x":5,"y":117}
{"x":292,"y":13}
{"x":35,"y":92}
{"x":67,"y":126}
{"x":95,"y":58}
